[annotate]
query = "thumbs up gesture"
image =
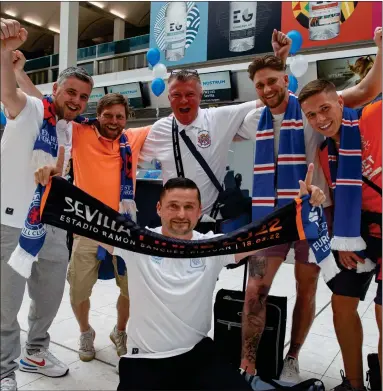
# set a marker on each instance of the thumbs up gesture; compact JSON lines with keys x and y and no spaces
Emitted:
{"x":305,"y":188}
{"x":43,"y":174}
{"x":12,"y":35}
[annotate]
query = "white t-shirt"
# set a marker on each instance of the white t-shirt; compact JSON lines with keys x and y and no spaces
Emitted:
{"x":170,"y":301}
{"x":17,"y":172}
{"x":17,"y":168}
{"x":313,"y":140}
{"x":212,"y":133}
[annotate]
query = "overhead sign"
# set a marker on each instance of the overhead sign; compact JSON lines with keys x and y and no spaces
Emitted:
{"x":96,"y":94}
{"x":132,"y":91}
{"x":216,"y":86}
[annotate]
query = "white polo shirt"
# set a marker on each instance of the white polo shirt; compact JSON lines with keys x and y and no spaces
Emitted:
{"x":212,"y":133}
{"x":313,"y":140}
{"x":170,"y":300}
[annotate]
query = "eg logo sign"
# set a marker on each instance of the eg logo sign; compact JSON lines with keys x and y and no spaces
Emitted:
{"x":175,"y":27}
{"x":246,"y":17}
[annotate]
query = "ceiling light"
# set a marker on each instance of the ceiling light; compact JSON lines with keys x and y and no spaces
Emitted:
{"x":97,"y":4}
{"x":11,"y":13}
{"x":54,"y":29}
{"x":114,"y":12}
{"x":32,"y":21}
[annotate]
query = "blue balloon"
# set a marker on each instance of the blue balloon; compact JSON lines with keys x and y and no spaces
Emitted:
{"x":297,"y":39}
{"x":3,"y":119}
{"x":158,"y":86}
{"x":153,"y":56}
{"x":293,"y":83}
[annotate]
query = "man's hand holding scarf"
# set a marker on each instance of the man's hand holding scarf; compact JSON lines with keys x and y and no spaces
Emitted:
{"x":43,"y":174}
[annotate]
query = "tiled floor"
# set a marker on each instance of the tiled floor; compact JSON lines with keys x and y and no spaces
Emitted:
{"x":320,"y":356}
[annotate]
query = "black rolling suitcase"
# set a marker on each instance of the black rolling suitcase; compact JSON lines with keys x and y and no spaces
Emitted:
{"x":227,"y":330}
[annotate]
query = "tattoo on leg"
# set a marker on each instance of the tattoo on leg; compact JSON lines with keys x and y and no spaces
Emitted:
{"x":254,"y":323}
{"x":258,"y":267}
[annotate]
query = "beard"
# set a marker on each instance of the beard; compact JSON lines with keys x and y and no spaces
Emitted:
{"x":276,"y":101}
{"x":109,"y":134}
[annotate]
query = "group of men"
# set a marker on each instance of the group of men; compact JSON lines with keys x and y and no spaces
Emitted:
{"x":104,"y":155}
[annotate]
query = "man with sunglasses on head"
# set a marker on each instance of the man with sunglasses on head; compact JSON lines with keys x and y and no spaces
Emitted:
{"x":210,"y":131}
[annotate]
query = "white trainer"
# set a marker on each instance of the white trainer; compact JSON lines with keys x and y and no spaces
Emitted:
{"x":43,"y":362}
{"x":8,"y":384}
{"x":119,"y":338}
{"x":86,"y":350}
{"x":290,"y":371}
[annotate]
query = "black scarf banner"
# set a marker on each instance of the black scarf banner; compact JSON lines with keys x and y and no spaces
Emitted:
{"x":66,"y":206}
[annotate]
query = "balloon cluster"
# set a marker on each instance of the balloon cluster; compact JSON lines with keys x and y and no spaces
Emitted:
{"x":159,"y":71}
{"x":299,"y":63}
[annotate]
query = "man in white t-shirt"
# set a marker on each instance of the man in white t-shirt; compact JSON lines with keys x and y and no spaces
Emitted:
{"x":171,"y":304}
{"x":46,"y":284}
{"x":210,"y":130}
{"x":271,"y":81}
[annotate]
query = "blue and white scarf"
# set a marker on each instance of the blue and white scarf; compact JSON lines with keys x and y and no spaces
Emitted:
{"x":346,"y":176}
{"x":269,"y":193}
{"x":46,"y":147}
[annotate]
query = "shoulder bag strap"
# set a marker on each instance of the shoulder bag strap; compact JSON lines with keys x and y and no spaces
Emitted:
{"x":177,"y":151}
{"x":207,"y":169}
{"x":201,"y":160}
{"x":372,"y":185}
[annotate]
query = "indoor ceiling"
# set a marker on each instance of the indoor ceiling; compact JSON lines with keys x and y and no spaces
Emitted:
{"x":42,"y":19}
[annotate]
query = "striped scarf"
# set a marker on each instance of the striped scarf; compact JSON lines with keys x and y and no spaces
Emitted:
{"x":275,"y":188}
{"x":346,"y":177}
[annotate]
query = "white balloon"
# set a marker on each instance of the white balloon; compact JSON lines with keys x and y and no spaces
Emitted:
{"x":299,"y":65}
{"x":159,"y":70}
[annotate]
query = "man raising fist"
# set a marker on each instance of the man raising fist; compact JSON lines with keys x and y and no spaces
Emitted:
{"x":32,"y":122}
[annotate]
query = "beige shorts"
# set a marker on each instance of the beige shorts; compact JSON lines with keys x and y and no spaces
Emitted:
{"x":83,"y":270}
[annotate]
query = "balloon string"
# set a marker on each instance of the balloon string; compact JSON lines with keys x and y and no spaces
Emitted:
{"x":157,"y":108}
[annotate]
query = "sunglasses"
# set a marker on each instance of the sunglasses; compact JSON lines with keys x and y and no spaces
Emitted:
{"x":184,"y":71}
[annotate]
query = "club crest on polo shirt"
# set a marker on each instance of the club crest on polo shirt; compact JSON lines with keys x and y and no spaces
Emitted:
{"x":197,"y":263}
{"x":203,"y":139}
{"x":156,"y":260}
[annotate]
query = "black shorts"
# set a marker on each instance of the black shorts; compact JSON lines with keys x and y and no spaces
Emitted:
{"x":199,"y":369}
{"x":353,"y":284}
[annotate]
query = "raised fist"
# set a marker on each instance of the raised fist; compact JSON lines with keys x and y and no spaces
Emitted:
{"x":12,"y":35}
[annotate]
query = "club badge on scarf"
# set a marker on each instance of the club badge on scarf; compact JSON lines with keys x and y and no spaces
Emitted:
{"x":291,"y":164}
{"x":63,"y":206}
{"x":316,"y":233}
{"x":346,"y":176}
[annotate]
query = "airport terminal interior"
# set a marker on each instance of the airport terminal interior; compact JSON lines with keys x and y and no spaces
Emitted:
{"x":111,"y":41}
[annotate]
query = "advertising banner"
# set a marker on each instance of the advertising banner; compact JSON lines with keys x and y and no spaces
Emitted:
{"x":238,"y":28}
{"x":216,"y":86}
{"x":324,"y":23}
{"x":179,"y":31}
{"x":96,"y":94}
{"x":132,"y":91}
{"x":345,"y":72}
